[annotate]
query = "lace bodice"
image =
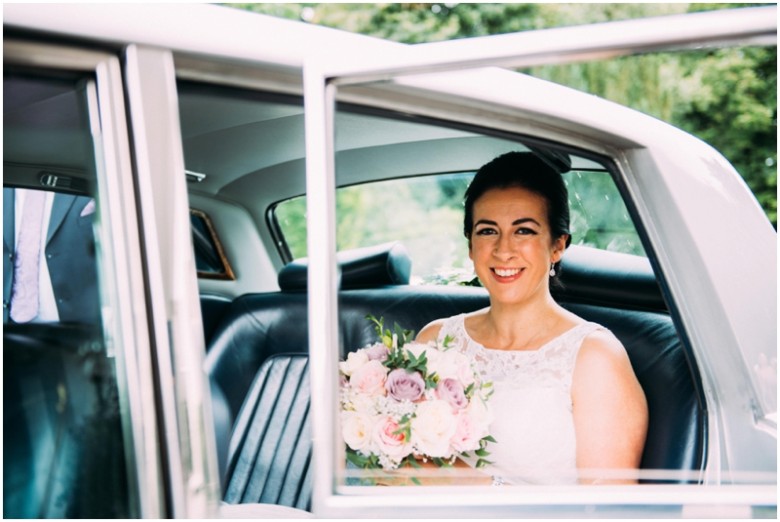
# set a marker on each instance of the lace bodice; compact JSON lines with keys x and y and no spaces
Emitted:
{"x":531,"y":405}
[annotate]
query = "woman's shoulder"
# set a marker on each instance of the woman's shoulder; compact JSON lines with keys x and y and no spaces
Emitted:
{"x":602,"y":353}
{"x":434,"y":330}
{"x":431,"y":331}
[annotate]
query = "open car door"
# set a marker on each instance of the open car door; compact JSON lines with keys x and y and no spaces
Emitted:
{"x":677,"y":189}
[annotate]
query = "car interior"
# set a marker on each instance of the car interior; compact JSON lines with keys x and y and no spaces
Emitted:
{"x":244,"y":155}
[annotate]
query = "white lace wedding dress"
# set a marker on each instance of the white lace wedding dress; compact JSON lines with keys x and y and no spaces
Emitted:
{"x":532,"y":407}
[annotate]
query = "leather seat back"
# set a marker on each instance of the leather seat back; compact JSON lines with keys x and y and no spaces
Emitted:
{"x":270,"y":448}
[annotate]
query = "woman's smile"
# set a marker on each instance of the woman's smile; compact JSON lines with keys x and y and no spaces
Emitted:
{"x":506,"y":275}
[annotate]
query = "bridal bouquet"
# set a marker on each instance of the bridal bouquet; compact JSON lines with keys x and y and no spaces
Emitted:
{"x":403,"y":401}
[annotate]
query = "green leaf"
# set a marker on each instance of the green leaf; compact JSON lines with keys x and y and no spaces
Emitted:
{"x":481,"y":463}
{"x":357,"y":459}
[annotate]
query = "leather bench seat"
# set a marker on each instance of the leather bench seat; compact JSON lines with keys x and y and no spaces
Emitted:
{"x":259,"y":353}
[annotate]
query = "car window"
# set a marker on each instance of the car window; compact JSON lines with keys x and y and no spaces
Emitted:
{"x":64,"y":448}
{"x":425,"y":213}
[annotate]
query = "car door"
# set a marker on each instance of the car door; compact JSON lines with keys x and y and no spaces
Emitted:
{"x":677,"y":189}
{"x":102,"y":418}
{"x":80,"y":435}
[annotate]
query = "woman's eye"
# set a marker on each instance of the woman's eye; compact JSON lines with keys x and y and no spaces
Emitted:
{"x":524,"y":231}
{"x":485,"y":232}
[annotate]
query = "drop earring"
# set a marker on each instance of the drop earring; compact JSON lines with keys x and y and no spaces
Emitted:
{"x":552,"y":270}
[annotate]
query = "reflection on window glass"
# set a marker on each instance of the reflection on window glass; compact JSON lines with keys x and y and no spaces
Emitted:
{"x":63,"y":446}
{"x":599,"y":218}
{"x":426,"y":214}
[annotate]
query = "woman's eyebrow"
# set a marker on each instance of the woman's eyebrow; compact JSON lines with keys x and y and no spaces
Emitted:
{"x":486,"y":222}
{"x":514,"y":223}
{"x":525,"y":220}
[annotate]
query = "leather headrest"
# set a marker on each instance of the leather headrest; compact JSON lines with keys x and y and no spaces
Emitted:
{"x":609,"y":278}
{"x":368,"y":267}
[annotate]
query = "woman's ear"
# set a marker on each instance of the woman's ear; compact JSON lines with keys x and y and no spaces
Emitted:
{"x":559,"y":247}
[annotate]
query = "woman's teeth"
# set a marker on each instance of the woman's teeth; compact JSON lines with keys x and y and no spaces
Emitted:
{"x":506,"y":272}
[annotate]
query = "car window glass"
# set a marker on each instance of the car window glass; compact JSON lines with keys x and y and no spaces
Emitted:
{"x":425,"y":213}
{"x":64,"y":448}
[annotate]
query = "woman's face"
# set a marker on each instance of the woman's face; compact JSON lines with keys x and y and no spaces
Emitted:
{"x":511,"y":244}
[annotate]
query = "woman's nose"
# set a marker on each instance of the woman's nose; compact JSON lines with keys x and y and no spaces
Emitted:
{"x":503,"y":247}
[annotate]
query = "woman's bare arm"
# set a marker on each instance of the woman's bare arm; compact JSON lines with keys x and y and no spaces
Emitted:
{"x":610,"y":409}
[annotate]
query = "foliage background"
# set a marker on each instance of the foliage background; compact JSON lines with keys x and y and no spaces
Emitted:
{"x":726,"y":97}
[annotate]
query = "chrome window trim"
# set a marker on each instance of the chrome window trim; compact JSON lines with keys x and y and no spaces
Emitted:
{"x":322,"y":76}
{"x":124,"y":295}
{"x":174,"y":296}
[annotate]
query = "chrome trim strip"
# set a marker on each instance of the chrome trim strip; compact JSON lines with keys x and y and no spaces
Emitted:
{"x":195,"y":177}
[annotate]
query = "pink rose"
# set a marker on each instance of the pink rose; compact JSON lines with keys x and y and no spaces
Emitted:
{"x":451,"y":390}
{"x":402,"y":385}
{"x":390,"y":440}
{"x":467,"y":434}
{"x":369,"y":379}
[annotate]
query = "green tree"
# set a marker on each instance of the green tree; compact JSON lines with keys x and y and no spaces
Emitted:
{"x":735,"y":110}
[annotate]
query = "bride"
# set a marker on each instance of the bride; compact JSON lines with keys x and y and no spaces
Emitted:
{"x":566,"y":398}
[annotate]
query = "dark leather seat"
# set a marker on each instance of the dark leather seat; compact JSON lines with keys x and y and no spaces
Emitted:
{"x":212,"y":309}
{"x":260,"y":332}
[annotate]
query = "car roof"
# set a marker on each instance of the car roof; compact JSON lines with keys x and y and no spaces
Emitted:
{"x":181,"y":27}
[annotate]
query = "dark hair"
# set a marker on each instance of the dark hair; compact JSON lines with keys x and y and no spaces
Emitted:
{"x":525,"y":170}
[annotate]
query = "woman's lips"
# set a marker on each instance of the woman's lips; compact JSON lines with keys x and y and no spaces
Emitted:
{"x":506,"y":275}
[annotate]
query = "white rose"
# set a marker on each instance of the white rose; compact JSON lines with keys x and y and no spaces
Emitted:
{"x":354,"y":361}
{"x":416,"y":348}
{"x":356,"y":428}
{"x":363,"y":403}
{"x":432,"y":428}
{"x":480,"y":415}
{"x":453,"y":365}
{"x":369,"y":379}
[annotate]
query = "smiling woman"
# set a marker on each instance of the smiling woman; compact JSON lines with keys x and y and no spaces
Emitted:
{"x":566,"y":397}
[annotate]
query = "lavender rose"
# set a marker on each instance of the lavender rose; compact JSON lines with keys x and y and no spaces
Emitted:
{"x":402,"y":385}
{"x":451,"y":390}
{"x":377,"y":352}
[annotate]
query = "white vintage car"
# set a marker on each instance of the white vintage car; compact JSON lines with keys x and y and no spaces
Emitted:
{"x":201,"y":167}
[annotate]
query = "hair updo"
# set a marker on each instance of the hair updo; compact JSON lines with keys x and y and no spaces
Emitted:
{"x":528,"y":171}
